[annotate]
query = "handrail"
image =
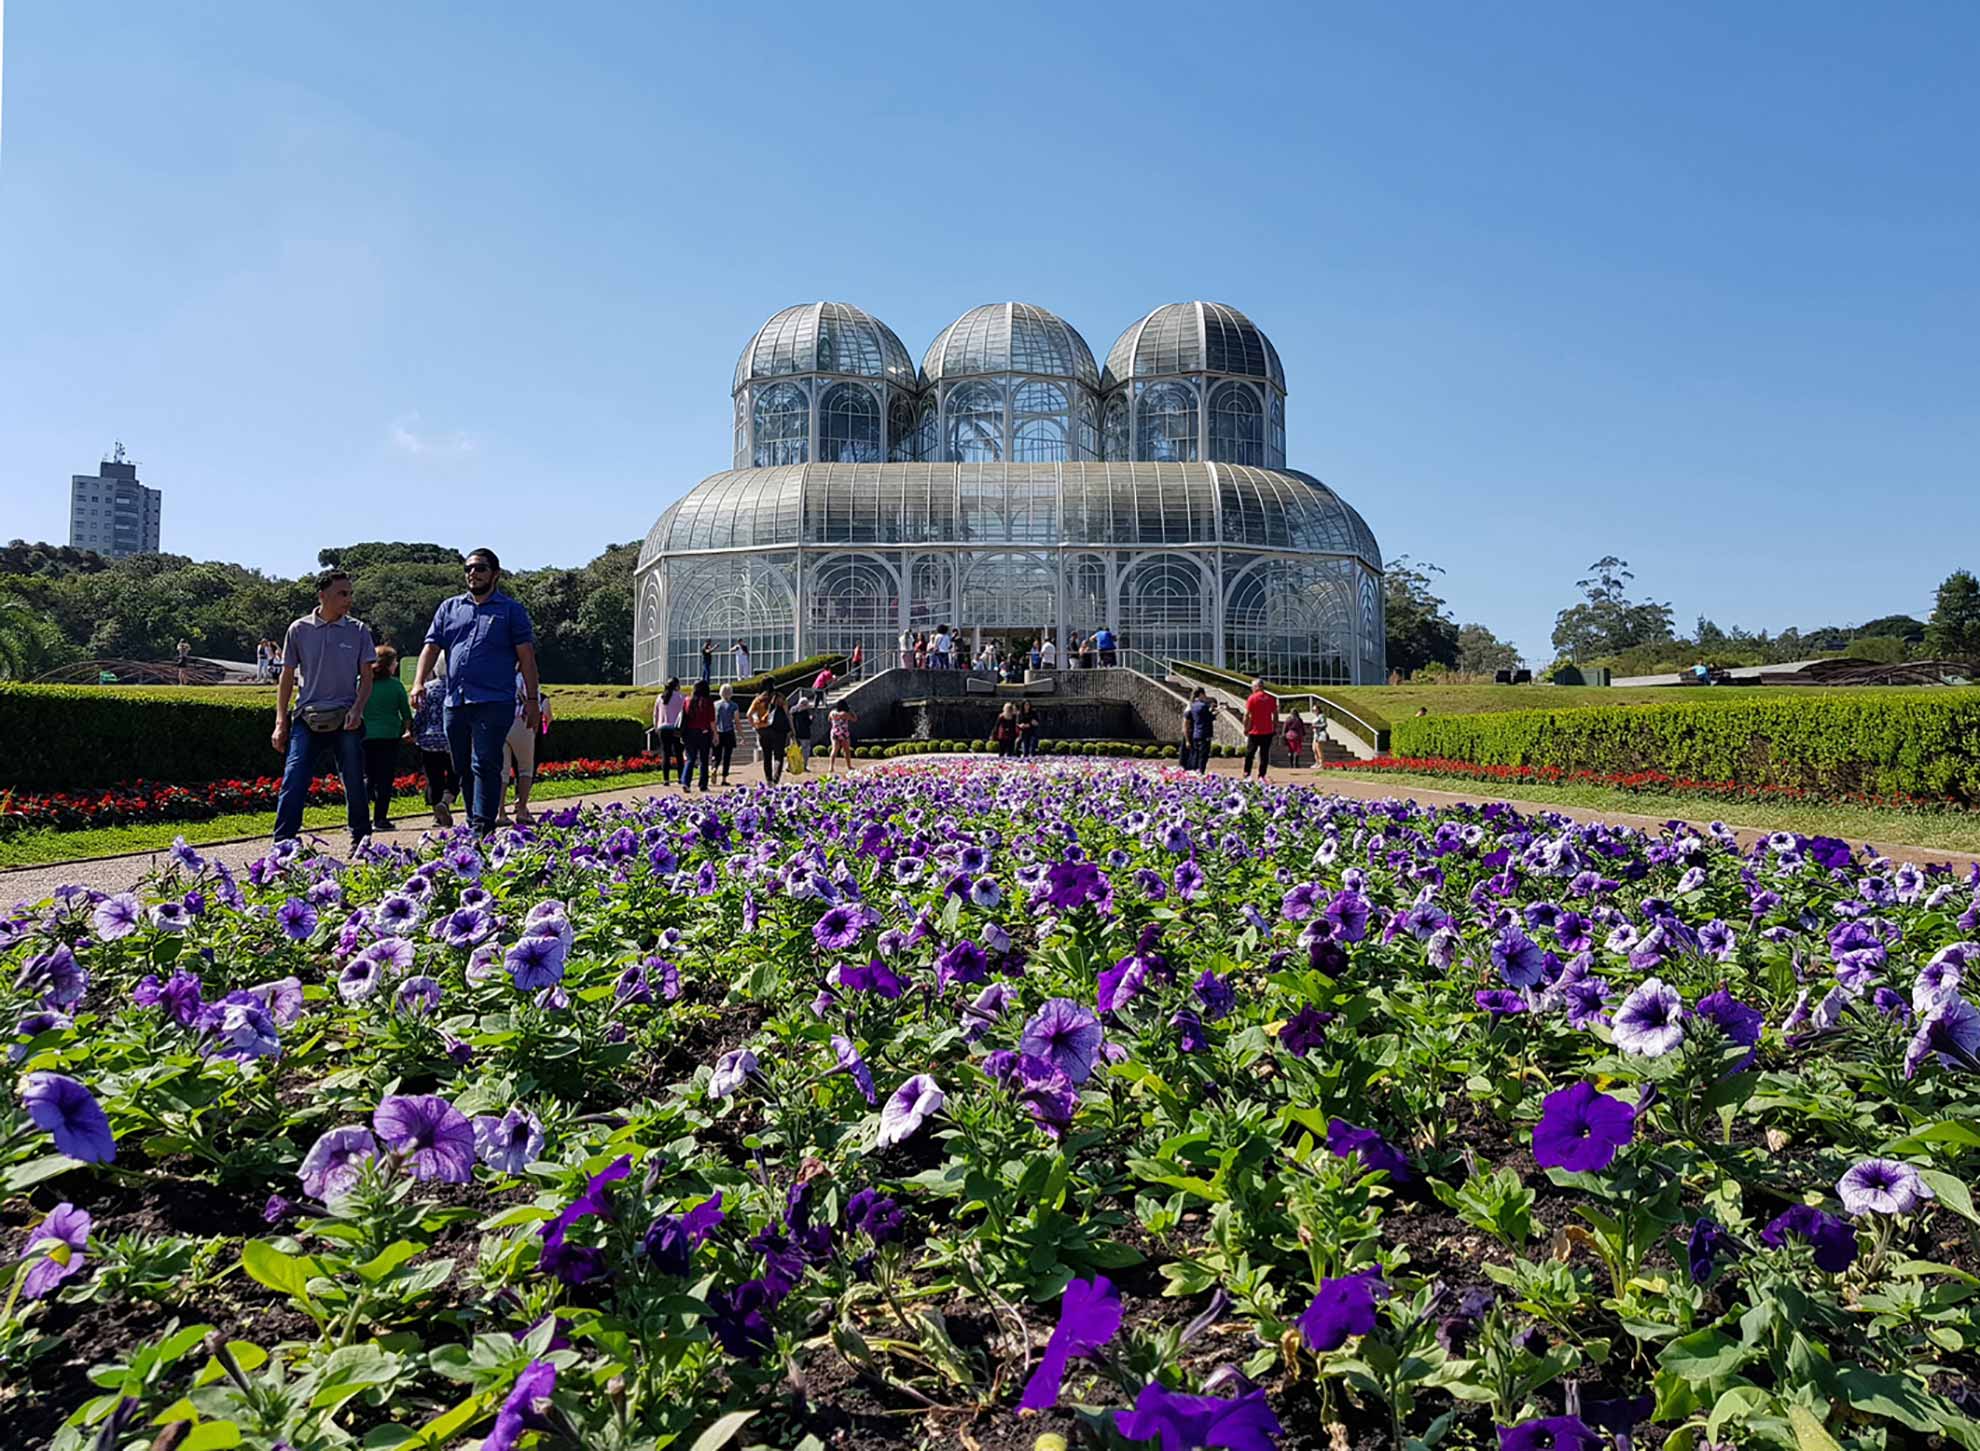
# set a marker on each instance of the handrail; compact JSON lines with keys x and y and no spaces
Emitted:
{"x":1323,"y":705}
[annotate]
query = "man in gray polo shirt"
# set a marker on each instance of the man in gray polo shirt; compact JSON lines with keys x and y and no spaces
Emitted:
{"x":333,"y":653}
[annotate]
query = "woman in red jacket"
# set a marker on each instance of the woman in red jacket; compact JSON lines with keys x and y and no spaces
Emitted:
{"x":697,"y":735}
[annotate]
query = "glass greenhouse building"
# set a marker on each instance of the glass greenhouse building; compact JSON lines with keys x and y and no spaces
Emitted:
{"x":1011,"y":486}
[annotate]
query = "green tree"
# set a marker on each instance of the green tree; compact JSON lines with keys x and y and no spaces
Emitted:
{"x":1896,"y":627}
{"x":355,"y":557}
{"x":1608,"y":621}
{"x":28,"y":641}
{"x":1420,"y":629}
{"x":1480,"y":652}
{"x":1953,"y":632}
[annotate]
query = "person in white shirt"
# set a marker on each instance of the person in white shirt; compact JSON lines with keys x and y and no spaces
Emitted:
{"x":1048,"y":654}
{"x":907,"y":649}
{"x":741,"y":652}
{"x":942,"y":643}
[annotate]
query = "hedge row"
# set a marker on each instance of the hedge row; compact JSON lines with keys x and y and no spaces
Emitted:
{"x":59,"y":737}
{"x":1918,"y":743}
{"x":1142,"y":749}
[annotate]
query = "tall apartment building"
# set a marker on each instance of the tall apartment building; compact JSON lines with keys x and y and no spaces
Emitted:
{"x":111,"y":512}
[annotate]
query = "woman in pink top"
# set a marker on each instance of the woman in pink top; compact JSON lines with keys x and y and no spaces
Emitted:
{"x":667,"y":722}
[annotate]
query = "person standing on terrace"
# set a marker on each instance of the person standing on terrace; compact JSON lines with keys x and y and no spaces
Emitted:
{"x":332,"y":653}
{"x":487,"y":637}
{"x":1261,"y":726}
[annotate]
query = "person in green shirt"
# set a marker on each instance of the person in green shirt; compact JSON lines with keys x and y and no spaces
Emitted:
{"x":388,"y":718}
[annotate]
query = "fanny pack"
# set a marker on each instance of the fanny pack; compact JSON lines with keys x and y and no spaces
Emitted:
{"x":323,"y":719}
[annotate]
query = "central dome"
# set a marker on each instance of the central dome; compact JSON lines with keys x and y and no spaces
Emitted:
{"x":1009,"y":337}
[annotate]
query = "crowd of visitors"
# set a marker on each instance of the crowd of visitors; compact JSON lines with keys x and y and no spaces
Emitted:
{"x":942,"y":648}
{"x":475,"y":723}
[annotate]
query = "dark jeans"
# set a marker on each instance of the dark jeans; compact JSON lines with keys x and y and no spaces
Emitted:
{"x":773,"y":744}
{"x":725,"y":750}
{"x":381,"y":765}
{"x":1261,"y":747}
{"x":670,"y":752}
{"x":696,"y":744}
{"x":1196,"y":754}
{"x":1028,"y":744}
{"x":476,"y":732}
{"x":299,"y":766}
{"x":439,"y":776}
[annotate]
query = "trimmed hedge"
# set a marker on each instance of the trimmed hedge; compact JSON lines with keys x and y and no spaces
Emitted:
{"x":59,"y":737}
{"x":1142,"y":749}
{"x":1914,"y":743}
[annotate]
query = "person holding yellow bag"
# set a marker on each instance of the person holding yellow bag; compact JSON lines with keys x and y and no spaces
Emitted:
{"x":772,"y":720}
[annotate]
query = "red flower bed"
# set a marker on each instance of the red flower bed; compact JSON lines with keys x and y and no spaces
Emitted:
{"x":1626,"y":781}
{"x":141,"y":801}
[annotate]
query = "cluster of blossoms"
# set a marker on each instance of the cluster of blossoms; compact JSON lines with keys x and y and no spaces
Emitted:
{"x":741,"y":1064}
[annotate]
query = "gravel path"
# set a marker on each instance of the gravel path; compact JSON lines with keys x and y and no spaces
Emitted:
{"x":116,"y":874}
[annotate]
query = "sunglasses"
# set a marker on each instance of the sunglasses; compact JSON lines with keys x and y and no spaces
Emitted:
{"x":477,"y":568}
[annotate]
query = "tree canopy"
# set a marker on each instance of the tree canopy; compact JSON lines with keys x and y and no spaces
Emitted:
{"x":1421,"y":631}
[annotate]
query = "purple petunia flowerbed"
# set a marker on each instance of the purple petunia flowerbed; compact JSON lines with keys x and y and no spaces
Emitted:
{"x":985,"y":1102}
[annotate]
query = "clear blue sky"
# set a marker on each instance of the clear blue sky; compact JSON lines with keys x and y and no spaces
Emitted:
{"x":1694,"y":284}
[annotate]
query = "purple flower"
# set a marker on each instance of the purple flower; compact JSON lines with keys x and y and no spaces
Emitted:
{"x":1740,"y":1023}
{"x":667,"y":1244}
{"x":33,"y":1026}
{"x":1070,"y":884}
{"x":1065,"y":1035}
{"x":1377,"y":1154}
{"x":1650,"y":1022}
{"x":1827,"y":852}
{"x":1184,"y":1422}
{"x":1581,"y":1129}
{"x":537,"y":961}
{"x":908,"y":1108}
{"x":71,"y":1115}
{"x":1189,"y":881}
{"x":466,"y":927}
{"x":964,"y":963}
{"x":1119,"y":983}
{"x":419,"y":994}
{"x":1299,"y":903}
{"x":398,"y":913}
{"x":331,"y":1168}
{"x":1304,"y":1031}
{"x":1550,"y":1433}
{"x":1519,"y":959}
{"x":1341,"y":1308}
{"x":177,"y":997}
{"x":703,"y":1220}
{"x":738,"y":1322}
{"x":277,"y":1209}
{"x":732,"y":1069}
{"x":1216,"y":995}
{"x":283,"y":998}
{"x":1834,"y":1241}
{"x":1702,"y":1249}
{"x":1042,"y":1086}
{"x":116,"y":918}
{"x":852,"y":1064}
{"x":297,"y":919}
{"x":839,"y":928}
{"x":509,"y":1143}
{"x":56,"y":976}
{"x":1190,"y":1036}
{"x":875,"y":977}
{"x":1499,"y":1001}
{"x":242,"y":1027}
{"x":1952,"y":1030}
{"x":524,"y":1408}
{"x":1882,"y":1186}
{"x":359,"y":979}
{"x":170,"y":917}
{"x":1349,"y":914}
{"x":1715,"y":939}
{"x":875,"y":1215}
{"x":433,"y":1136}
{"x":1089,"y":1317}
{"x":55,"y":1246}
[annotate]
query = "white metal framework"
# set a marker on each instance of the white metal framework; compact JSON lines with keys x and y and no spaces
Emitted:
{"x":1011,"y":487}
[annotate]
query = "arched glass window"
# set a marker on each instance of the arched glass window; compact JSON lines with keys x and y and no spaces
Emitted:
{"x":1237,"y":426}
{"x":1166,"y":424}
{"x":742,"y":434}
{"x":783,"y":426}
{"x":927,"y":446}
{"x":1277,"y":458}
{"x":901,"y":430}
{"x":1089,"y":427}
{"x":849,"y":426}
{"x":1116,"y":435}
{"x":976,"y":423}
{"x":1039,"y":441}
{"x":1163,"y":608}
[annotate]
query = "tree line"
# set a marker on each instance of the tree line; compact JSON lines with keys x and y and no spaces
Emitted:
{"x":59,"y":605}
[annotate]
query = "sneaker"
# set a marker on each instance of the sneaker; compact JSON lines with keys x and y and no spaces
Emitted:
{"x":443,"y":815}
{"x":384,"y":823}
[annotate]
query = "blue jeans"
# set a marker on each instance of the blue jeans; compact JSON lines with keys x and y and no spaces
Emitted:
{"x":475,"y":733}
{"x":299,"y":767}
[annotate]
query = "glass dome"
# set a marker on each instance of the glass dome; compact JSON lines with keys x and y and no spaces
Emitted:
{"x":825,"y":337}
{"x":1009,"y":337}
{"x":1194,"y":337}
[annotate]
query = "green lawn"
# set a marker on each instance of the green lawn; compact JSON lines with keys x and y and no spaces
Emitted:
{"x":1383,"y":705}
{"x":48,"y":848}
{"x":1948,"y":830}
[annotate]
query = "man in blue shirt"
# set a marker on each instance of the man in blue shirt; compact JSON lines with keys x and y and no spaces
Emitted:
{"x":487,"y":638}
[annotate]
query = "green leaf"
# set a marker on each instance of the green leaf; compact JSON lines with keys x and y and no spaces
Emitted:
{"x":443,"y":1427}
{"x":724,"y":1431}
{"x":284,"y":1273}
{"x":1951,"y":1192}
{"x":23,"y":1176}
{"x":1704,"y":1355}
{"x":388,"y":1259}
{"x":1889,"y":1396}
{"x":1808,"y":1432}
{"x":1945,"y":1131}
{"x":1736,"y":1405}
{"x":212,"y":1436}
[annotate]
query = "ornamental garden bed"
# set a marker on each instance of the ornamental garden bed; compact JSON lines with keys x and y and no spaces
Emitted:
{"x":947,"y":1104}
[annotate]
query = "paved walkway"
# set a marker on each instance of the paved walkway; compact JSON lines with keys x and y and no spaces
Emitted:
{"x":115,"y":874}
